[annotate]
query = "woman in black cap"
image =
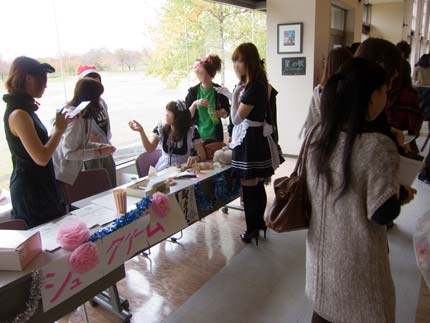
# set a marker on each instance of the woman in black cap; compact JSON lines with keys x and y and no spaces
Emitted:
{"x":33,"y":189}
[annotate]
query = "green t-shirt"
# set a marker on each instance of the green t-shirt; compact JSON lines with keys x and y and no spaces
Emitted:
{"x":207,"y":122}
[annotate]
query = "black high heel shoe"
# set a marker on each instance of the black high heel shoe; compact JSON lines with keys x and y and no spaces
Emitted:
{"x":247,"y":236}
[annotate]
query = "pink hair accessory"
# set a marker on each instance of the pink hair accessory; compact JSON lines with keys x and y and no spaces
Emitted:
{"x":160,"y":204}
{"x":72,"y":234}
{"x":206,"y":59}
{"x":196,"y":65}
{"x":84,"y":258}
{"x":200,"y":61}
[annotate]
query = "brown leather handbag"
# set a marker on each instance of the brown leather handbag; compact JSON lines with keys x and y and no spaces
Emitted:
{"x":292,"y":208}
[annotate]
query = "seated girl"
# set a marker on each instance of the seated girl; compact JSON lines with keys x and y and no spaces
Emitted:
{"x":75,"y":146}
{"x":179,"y":139}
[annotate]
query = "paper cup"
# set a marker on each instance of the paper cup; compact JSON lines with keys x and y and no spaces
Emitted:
{"x":120,"y":197}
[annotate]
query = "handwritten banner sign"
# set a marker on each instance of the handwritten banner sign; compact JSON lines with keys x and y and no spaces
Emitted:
{"x":187,"y":202}
{"x":160,"y":228}
{"x":60,"y":283}
{"x":122,"y":244}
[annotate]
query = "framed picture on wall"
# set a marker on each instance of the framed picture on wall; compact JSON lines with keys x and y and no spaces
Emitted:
{"x":290,"y":38}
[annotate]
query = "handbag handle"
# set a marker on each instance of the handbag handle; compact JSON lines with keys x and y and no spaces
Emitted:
{"x":301,"y":161}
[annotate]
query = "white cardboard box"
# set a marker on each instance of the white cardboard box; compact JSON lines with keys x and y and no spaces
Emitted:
{"x":18,"y":249}
{"x":408,"y":170}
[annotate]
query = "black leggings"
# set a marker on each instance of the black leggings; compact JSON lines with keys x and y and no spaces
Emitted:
{"x":318,"y":319}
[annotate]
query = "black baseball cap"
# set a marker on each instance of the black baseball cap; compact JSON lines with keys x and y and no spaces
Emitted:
{"x":31,"y":66}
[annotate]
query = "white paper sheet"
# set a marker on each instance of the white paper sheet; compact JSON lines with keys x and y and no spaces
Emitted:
{"x":59,"y":283}
{"x":94,"y":214}
{"x":108,"y":202}
{"x":77,"y":110}
{"x":408,"y":170}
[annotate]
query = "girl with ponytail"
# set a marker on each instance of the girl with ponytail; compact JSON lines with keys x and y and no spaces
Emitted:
{"x":352,"y":180}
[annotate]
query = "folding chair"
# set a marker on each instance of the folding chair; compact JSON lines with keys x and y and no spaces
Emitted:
{"x":145,"y":160}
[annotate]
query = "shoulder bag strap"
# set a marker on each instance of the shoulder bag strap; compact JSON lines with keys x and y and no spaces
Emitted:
{"x":301,"y":161}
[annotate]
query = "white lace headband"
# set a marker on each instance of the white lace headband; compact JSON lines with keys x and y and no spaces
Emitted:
{"x":181,"y":105}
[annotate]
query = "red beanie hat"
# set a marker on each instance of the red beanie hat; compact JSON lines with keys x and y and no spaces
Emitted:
{"x":84,"y":70}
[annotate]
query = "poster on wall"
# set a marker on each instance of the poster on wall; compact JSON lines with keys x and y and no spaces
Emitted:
{"x":290,"y":38}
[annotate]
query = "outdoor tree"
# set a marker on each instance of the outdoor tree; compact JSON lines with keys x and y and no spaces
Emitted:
{"x":189,"y":29}
{"x":101,"y":58}
{"x":128,"y":58}
{"x":71,"y":63}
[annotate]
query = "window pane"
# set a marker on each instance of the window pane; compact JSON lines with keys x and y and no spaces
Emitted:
{"x":337,"y":18}
{"x":144,"y":51}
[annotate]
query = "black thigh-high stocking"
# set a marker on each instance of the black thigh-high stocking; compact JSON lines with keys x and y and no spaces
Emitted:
{"x":261,"y":197}
{"x":250,"y":204}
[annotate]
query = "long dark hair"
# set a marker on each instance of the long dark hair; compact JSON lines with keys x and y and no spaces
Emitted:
{"x":344,"y":107}
{"x":181,"y":122}
{"x":383,"y":52}
{"x":254,"y":64}
{"x":88,"y":89}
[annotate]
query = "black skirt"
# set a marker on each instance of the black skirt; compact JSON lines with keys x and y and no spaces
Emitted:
{"x":252,"y":158}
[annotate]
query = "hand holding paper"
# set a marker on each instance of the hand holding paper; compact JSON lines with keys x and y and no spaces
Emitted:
{"x":73,"y":113}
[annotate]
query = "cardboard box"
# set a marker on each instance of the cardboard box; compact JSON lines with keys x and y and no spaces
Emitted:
{"x":18,"y":249}
{"x":138,"y":188}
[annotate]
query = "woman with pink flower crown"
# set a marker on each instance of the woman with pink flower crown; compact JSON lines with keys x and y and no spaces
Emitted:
{"x":206,"y":105}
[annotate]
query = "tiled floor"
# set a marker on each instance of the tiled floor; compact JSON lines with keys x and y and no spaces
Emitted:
{"x":159,"y":285}
{"x":423,"y":308}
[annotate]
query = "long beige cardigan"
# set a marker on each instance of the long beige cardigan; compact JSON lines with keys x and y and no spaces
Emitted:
{"x":348,"y":276}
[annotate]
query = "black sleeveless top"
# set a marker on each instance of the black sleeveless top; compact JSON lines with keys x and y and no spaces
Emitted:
{"x":33,"y":189}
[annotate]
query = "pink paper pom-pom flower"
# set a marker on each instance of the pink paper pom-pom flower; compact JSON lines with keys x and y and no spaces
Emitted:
{"x":84,"y":258}
{"x":72,"y":234}
{"x":160,"y":204}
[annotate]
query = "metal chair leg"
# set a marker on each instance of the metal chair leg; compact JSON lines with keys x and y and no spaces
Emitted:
{"x":174,"y":239}
{"x":146,"y":253}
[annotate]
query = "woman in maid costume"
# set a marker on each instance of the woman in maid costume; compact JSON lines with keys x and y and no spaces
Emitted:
{"x":179,"y":139}
{"x":255,"y":154}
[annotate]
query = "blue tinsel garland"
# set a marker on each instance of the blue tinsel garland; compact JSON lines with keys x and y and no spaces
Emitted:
{"x":203,"y":203}
{"x":122,"y":221}
{"x":235,"y":187}
{"x":220,"y":188}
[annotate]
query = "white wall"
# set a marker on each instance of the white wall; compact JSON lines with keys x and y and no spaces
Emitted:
{"x":387,"y":21}
{"x":295,"y":91}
